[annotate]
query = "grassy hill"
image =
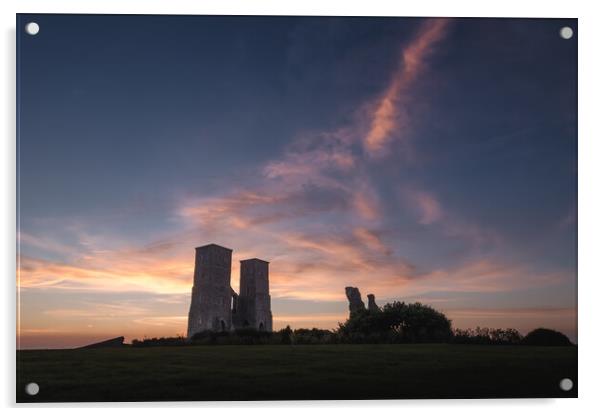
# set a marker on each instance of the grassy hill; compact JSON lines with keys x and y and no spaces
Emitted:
{"x":296,"y":372}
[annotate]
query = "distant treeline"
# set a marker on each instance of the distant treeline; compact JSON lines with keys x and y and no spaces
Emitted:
{"x":315,"y":336}
{"x":394,"y":323}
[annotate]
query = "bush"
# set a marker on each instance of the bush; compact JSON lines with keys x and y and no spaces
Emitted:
{"x":286,"y":335}
{"x":487,"y":336}
{"x":246,"y":336}
{"x":397,"y":322}
{"x":314,"y":336}
{"x":546,"y":337}
{"x":160,"y":342}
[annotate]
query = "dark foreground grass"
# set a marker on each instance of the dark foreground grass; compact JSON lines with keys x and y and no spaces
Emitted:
{"x":283,"y":372}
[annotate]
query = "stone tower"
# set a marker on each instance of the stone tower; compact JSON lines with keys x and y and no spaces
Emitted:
{"x":211,"y":303}
{"x":253,"y":307}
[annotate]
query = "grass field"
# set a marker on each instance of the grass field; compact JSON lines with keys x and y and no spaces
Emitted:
{"x":282,"y":372}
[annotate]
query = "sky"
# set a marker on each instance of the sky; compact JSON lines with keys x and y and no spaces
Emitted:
{"x":418,"y":159}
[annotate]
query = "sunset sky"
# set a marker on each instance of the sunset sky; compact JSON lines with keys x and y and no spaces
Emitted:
{"x":429,"y":160}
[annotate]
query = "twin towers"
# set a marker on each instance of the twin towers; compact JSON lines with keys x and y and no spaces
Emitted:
{"x":215,"y":306}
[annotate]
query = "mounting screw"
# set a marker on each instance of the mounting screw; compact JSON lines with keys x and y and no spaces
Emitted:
{"x":32,"y":389}
{"x":32,"y":28}
{"x":566,"y":384}
{"x":566,"y":32}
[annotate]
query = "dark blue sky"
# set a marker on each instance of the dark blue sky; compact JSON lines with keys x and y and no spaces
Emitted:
{"x":141,"y":137}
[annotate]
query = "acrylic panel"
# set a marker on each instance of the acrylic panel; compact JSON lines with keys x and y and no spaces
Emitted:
{"x":295,"y":208}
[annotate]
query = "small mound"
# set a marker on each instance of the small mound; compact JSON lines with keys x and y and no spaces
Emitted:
{"x":109,"y":343}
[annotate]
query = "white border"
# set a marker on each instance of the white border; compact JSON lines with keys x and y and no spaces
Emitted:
{"x":590,"y":186}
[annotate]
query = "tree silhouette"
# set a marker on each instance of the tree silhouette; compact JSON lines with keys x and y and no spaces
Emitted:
{"x":546,"y":337}
{"x":397,"y":322}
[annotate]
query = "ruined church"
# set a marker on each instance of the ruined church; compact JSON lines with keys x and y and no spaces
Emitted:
{"x":215,"y":306}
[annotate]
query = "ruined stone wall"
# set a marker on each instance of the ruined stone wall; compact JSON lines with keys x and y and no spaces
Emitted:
{"x":211,"y":302}
{"x":356,"y":304}
{"x":254,"y":303}
{"x":372,"y":306}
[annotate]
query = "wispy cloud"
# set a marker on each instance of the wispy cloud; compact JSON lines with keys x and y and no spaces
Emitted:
{"x":489,"y":275}
{"x":43,"y":243}
{"x":389,"y":117}
{"x":316,"y":156}
{"x":427,"y":205}
{"x":109,"y":270}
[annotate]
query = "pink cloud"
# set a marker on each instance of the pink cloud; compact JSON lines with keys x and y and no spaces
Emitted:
{"x":428,"y":206}
{"x":43,"y":243}
{"x":315,"y":157}
{"x":430,"y":211}
{"x":389,"y":115}
{"x":488,"y":275}
{"x":366,"y":202}
{"x":371,"y":239}
{"x":160,"y":267}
